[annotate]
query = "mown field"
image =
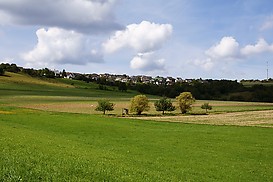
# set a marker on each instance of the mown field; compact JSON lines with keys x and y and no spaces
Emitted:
{"x":50,"y":132}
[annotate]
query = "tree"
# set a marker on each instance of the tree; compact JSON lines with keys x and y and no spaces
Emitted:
{"x":2,"y":71}
{"x":185,"y":101}
{"x":47,"y":73}
{"x":64,"y":73}
{"x":104,"y":105}
{"x":164,"y":104}
{"x":139,"y":104}
{"x":206,"y":106}
{"x":122,"y":86}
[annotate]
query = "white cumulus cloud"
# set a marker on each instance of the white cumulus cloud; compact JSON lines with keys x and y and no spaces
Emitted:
{"x":147,"y":62}
{"x":143,"y":37}
{"x":260,"y":47}
{"x":82,"y":15}
{"x":227,"y":48}
{"x":59,"y":46}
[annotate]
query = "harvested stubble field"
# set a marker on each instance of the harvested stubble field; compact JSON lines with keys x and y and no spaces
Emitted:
{"x":223,"y":113}
{"x":246,"y":118}
{"x":78,"y":104}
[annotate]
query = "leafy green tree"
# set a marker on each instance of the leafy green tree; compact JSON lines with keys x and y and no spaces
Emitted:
{"x":185,"y":101}
{"x":64,"y":73}
{"x":10,"y":67}
{"x":139,"y":104}
{"x":104,"y":105}
{"x":47,"y":73}
{"x":122,"y":86}
{"x":164,"y":104}
{"x":206,"y":106}
{"x":2,"y":71}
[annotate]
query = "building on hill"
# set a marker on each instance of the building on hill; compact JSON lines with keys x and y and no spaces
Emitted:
{"x":170,"y":81}
{"x":70,"y":75}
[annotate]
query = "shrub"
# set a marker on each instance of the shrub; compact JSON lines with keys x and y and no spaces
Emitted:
{"x":206,"y":106}
{"x":163,"y":105}
{"x":104,"y":105}
{"x":185,"y":101}
{"x":139,"y":104}
{"x":2,"y":72}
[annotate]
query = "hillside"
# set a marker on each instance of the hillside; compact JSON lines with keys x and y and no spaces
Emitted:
{"x":22,"y":84}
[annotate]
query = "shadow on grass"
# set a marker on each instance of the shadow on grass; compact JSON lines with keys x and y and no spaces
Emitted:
{"x":5,"y":75}
{"x":157,"y":115}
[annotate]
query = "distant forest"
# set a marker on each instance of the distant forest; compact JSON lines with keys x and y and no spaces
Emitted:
{"x":209,"y":89}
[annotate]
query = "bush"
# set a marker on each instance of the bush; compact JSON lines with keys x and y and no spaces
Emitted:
{"x":2,"y":72}
{"x":163,"y":105}
{"x":104,"y":105}
{"x":206,"y":106}
{"x":139,"y":104}
{"x":185,"y":101}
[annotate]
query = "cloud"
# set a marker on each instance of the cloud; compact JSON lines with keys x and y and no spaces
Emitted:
{"x":260,"y":47}
{"x":268,"y":24}
{"x":89,"y":16}
{"x":143,"y":37}
{"x":227,"y":48}
{"x":207,"y":64}
{"x":147,"y":62}
{"x":58,"y":46}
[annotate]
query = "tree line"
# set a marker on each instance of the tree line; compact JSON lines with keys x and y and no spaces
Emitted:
{"x":227,"y":90}
{"x":140,"y":103}
{"x":45,"y":72}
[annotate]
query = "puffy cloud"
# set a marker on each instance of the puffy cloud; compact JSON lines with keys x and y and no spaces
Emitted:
{"x":227,"y":48}
{"x":58,"y":46}
{"x":143,"y":37}
{"x":147,"y":62}
{"x":260,"y":47}
{"x":81,"y":15}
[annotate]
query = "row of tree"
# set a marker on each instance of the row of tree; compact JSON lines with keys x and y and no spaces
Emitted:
{"x":228,"y":90}
{"x":45,"y":72}
{"x":140,"y":103}
{"x":201,"y":89}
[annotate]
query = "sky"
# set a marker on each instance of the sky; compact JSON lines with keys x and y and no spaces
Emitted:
{"x":209,"y":39}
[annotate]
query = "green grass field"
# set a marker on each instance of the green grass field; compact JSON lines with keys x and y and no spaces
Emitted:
{"x":49,"y":132}
{"x":49,"y":146}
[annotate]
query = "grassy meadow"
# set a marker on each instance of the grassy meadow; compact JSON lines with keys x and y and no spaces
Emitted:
{"x":49,"y":131}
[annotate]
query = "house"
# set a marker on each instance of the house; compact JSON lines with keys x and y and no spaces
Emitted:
{"x":70,"y":75}
{"x":170,"y":81}
{"x":146,"y":79}
{"x":179,"y":80}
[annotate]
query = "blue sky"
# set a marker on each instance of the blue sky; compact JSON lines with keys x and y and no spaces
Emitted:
{"x":180,"y":38}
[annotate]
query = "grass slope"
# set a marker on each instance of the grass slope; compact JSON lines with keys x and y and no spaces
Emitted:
{"x":49,"y":146}
{"x":19,"y":84}
{"x":53,"y":146}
